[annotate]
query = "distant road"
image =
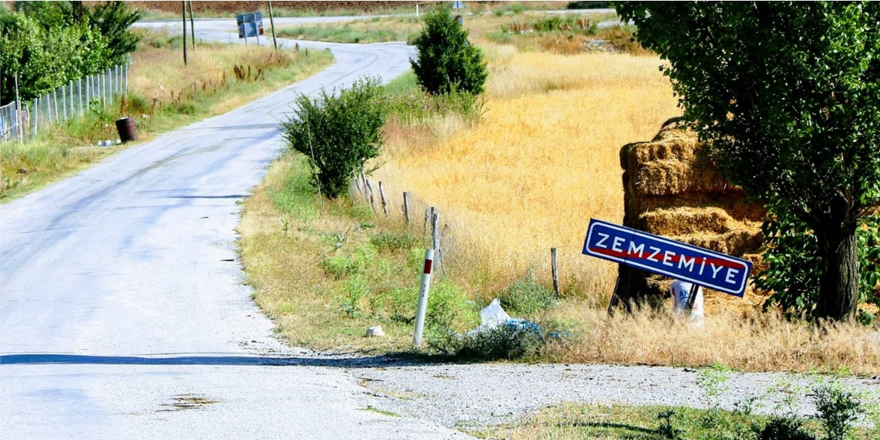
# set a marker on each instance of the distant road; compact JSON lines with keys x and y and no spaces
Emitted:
{"x":123,"y":313}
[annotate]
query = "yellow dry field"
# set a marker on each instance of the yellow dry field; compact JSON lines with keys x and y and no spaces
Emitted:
{"x":543,"y":161}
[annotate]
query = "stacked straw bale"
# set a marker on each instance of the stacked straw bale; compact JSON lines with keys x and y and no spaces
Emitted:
{"x":672,"y":189}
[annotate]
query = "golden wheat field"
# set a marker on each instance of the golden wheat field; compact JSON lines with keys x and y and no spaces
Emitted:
{"x":542,"y":162}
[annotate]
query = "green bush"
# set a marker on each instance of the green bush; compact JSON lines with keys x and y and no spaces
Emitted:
{"x":341,"y":266}
{"x":446,"y":61}
{"x":503,"y":342}
{"x":794,"y":264}
{"x":527,"y":297}
{"x":390,"y":241}
{"x":416,"y":106}
{"x":784,"y":428}
{"x":337,"y":133}
{"x":838,"y":408}
{"x":447,"y":306}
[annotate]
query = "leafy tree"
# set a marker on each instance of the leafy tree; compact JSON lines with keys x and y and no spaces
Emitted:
{"x":794,"y":264}
{"x":446,"y":61}
{"x":47,"y":44}
{"x":44,"y":58}
{"x":787,"y":98}
{"x":338,"y":133}
{"x":113,"y":20}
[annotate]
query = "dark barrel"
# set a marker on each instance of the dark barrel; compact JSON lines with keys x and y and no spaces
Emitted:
{"x":127,"y":130}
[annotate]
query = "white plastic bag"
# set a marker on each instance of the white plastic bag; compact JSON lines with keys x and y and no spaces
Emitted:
{"x":493,"y":315}
{"x":680,"y":291}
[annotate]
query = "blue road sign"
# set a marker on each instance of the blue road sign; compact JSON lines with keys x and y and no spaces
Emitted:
{"x":457,"y":5}
{"x":667,"y":257}
{"x":250,"y":24}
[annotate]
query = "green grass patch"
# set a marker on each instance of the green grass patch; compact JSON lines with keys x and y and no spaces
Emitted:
{"x":372,"y":30}
{"x":345,"y":267}
{"x":595,"y":421}
{"x":372,"y":408}
{"x":402,"y":84}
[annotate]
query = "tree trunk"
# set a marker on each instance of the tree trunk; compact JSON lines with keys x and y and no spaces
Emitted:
{"x":839,"y":282}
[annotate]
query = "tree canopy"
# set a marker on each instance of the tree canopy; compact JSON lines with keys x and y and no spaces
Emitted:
{"x":446,"y":61}
{"x":46,"y":44}
{"x":787,"y":98}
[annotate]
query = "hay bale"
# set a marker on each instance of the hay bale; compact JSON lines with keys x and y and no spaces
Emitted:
{"x":672,"y":189}
{"x":687,"y":220}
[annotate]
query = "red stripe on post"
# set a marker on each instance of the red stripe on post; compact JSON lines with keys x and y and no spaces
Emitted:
{"x":428,"y":264}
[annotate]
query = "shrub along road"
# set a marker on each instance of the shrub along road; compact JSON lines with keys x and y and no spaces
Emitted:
{"x":123,"y":313}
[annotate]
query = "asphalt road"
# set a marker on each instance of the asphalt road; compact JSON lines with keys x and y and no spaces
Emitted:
{"x":122,"y":308}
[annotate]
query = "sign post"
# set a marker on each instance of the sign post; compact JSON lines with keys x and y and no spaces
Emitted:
{"x":663,"y":256}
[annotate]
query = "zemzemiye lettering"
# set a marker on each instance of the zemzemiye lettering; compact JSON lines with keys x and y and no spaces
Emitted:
{"x":620,"y":246}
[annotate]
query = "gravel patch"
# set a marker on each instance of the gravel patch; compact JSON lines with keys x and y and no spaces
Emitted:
{"x":479,"y":395}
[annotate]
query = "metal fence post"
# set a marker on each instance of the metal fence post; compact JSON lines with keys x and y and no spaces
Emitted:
{"x":55,"y":100}
{"x":79,"y":84}
{"x":113,"y":85}
{"x":36,"y":114}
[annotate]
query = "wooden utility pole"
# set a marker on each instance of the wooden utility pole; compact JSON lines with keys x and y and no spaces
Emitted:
{"x":272,"y":22}
{"x":192,"y":26}
{"x":184,"y":33}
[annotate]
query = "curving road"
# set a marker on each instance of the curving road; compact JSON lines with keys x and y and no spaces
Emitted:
{"x":123,"y":313}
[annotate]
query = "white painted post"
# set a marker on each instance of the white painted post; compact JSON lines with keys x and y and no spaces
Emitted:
{"x":417,"y":10}
{"x":422,"y":307}
{"x":71,"y":102}
{"x":79,"y":85}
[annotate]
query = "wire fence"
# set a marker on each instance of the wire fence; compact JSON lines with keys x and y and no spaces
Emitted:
{"x":23,"y":120}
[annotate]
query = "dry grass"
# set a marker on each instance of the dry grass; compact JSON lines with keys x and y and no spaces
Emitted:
{"x":543,"y":161}
{"x":164,"y":95}
{"x":158,"y":71}
{"x":750,"y":340}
